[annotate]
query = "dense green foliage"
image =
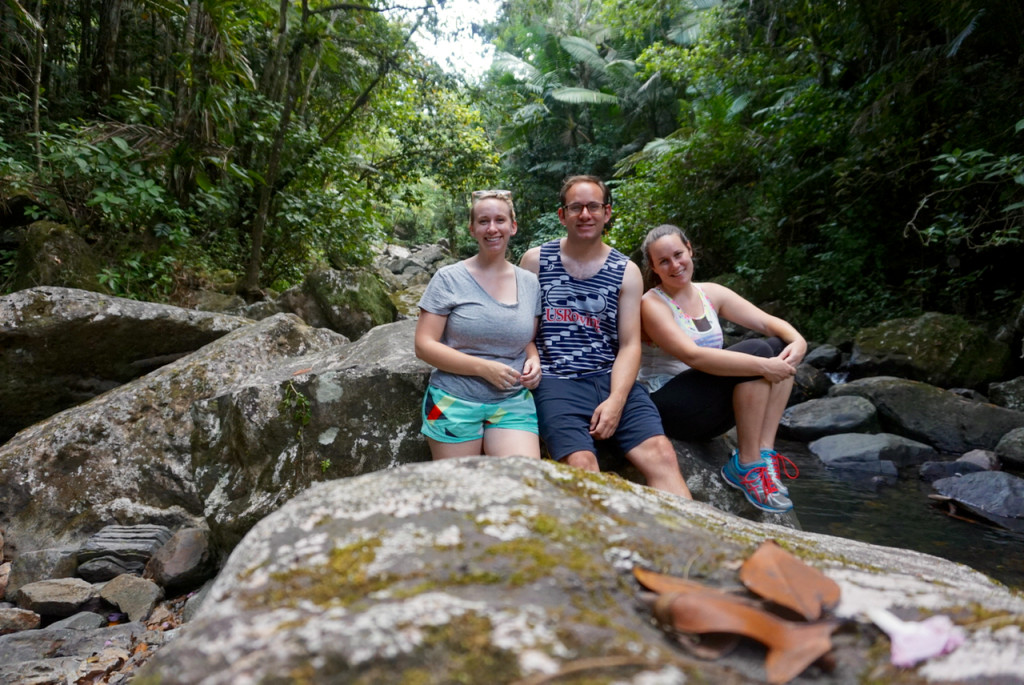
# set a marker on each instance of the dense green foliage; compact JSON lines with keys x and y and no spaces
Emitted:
{"x":852,"y":161}
{"x":232,"y":140}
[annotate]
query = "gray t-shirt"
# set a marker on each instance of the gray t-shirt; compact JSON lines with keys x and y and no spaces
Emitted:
{"x":481,"y":326}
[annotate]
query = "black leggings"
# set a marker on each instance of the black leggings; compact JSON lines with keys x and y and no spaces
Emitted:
{"x":698,"y":406}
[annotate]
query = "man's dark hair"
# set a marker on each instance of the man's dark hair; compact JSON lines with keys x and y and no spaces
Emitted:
{"x":573,"y":180}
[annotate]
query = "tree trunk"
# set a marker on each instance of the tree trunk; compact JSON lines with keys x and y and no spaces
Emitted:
{"x":106,"y":49}
{"x":85,"y":46}
{"x":268,"y":188}
{"x":37,"y":82}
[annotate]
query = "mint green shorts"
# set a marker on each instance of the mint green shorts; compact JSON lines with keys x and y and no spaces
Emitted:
{"x":447,"y":418}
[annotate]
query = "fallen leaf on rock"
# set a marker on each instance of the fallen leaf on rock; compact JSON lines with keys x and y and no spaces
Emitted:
{"x":792,"y":647}
{"x":708,"y":646}
{"x":775,"y":574}
{"x":662,"y":584}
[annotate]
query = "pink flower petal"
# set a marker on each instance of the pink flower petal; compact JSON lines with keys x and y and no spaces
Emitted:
{"x":914,"y":641}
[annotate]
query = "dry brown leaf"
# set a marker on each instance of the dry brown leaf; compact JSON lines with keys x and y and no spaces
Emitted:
{"x":662,"y":584}
{"x":776,"y":575}
{"x":792,"y":647}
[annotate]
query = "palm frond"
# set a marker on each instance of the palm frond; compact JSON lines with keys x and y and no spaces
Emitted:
{"x":737,"y":106}
{"x":583,"y":96}
{"x":171,"y":7}
{"x":686,"y":34}
{"x":510,"y":64}
{"x":556,"y":167}
{"x":954,"y":47}
{"x":25,"y":16}
{"x":652,"y":151}
{"x":584,"y":51}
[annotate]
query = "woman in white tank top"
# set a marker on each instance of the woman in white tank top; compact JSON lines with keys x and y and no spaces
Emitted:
{"x":702,"y":390}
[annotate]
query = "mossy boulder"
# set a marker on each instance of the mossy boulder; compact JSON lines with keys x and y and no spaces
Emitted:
{"x":1009,"y":394}
{"x":483,"y":570}
{"x":339,"y":412}
{"x":349,"y":301}
{"x":63,"y":346}
{"x":348,"y":411}
{"x":937,"y":417}
{"x":125,"y":457}
{"x":353,"y":300}
{"x":53,"y":254}
{"x":939,"y":349}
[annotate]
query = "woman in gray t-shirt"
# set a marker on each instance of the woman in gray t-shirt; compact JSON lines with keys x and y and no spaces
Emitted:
{"x":477,"y":322}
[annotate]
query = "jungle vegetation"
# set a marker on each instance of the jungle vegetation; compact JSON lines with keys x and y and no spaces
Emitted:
{"x":849,"y":161}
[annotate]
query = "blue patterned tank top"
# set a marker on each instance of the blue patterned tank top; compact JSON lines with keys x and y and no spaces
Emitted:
{"x":579,"y":324}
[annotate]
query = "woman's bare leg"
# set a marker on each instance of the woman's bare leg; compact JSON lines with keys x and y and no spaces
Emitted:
{"x":750,"y":405}
{"x":777,"y":400}
{"x":451,"y":450}
{"x":506,"y":442}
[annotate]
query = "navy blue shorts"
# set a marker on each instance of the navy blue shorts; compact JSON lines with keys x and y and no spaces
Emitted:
{"x":566,"y":405}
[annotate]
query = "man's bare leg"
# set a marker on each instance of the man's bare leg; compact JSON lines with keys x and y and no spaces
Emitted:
{"x":656,"y":459}
{"x":582,"y":459}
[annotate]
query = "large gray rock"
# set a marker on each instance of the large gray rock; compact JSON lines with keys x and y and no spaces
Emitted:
{"x":42,"y":564}
{"x":341,"y":412}
{"x":931,"y":471}
{"x":346,"y":412}
{"x":931,"y":415}
{"x":940,"y":349}
{"x":501,"y":570}
{"x":83,"y":620}
{"x":126,"y":457}
{"x":863,"y":452}
{"x":827,"y":416}
{"x":66,"y":655}
{"x":350,"y":301}
{"x":15,"y":620}
{"x":135,"y":596}
{"x":60,"y":597}
{"x":60,"y":347}
{"x":985,"y":460}
{"x":810,"y":383}
{"x":116,"y":550}
{"x":54,"y":254}
{"x":824,"y":357}
{"x":185,"y":562}
{"x":1009,"y":394}
{"x":354,"y":300}
{"x":995,"y":495}
{"x":1010,"y":447}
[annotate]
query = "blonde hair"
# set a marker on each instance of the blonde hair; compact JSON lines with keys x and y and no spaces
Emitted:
{"x":480,"y":195}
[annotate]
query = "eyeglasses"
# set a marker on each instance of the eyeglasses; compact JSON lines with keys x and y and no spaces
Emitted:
{"x":576,"y":208}
{"x":484,"y":194}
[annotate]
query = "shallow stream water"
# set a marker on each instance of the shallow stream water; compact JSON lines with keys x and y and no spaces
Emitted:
{"x":898,"y":513}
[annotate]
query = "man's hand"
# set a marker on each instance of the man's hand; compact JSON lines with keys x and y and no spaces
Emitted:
{"x":605,"y":419}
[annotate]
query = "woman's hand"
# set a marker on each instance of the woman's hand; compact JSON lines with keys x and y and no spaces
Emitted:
{"x":776,"y":369}
{"x":794,"y":352}
{"x":501,"y":376}
{"x":530,"y":377}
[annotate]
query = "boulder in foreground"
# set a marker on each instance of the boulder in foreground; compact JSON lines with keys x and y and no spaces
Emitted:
{"x":497,"y":570}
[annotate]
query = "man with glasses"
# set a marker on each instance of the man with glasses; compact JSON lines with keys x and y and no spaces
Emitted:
{"x":589,"y":344}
